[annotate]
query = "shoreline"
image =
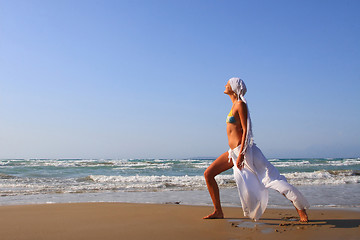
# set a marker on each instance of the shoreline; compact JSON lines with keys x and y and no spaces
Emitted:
{"x":113,"y":220}
{"x":318,"y":197}
{"x":340,"y":208}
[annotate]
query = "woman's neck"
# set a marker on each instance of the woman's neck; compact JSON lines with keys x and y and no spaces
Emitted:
{"x":233,"y":98}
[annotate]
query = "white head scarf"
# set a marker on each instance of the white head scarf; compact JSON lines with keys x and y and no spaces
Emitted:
{"x":239,"y":87}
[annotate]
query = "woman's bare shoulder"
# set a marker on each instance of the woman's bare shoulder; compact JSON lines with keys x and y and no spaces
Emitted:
{"x":239,"y":105}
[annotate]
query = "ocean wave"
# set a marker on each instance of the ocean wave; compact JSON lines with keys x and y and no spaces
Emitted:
{"x":99,"y":183}
{"x":316,"y":163}
{"x":273,"y":159}
{"x":293,"y":163}
{"x":119,"y":164}
{"x":33,"y":176}
{"x":124,"y":164}
{"x":344,"y":162}
{"x":6,"y":176}
{"x":158,"y":182}
{"x":96,"y":183}
{"x":324,"y":177}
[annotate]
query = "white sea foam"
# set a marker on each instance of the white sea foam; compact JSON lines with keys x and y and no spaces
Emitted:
{"x":158,"y":163}
{"x":97,"y":183}
{"x":293,"y":163}
{"x":316,"y":163}
{"x":48,"y":176}
{"x":120,"y":164}
{"x":159,"y":182}
{"x":323,"y":177}
{"x":345,"y":162}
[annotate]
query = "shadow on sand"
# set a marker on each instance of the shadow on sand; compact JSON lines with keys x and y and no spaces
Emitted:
{"x":333,"y":223}
{"x":337,"y":223}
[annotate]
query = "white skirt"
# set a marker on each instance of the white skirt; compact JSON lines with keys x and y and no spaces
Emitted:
{"x":255,"y":177}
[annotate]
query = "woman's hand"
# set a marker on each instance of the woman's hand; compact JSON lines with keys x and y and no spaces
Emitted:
{"x":240,"y":161}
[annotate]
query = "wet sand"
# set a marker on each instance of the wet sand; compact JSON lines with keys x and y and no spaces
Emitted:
{"x":168,"y":221}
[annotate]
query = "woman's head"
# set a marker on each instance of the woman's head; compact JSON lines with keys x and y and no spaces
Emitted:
{"x":237,"y":86}
{"x":228,"y":89}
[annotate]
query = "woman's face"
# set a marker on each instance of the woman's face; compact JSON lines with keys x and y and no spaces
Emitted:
{"x":228,"y":89}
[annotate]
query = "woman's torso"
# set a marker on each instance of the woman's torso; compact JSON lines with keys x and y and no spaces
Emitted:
{"x":233,"y":128}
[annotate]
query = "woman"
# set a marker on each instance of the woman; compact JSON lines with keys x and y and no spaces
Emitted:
{"x":252,"y":171}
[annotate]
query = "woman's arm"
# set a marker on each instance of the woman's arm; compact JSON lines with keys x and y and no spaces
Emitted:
{"x":242,"y":111}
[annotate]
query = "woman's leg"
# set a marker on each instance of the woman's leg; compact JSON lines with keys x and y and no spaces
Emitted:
{"x":295,"y":197}
{"x":220,"y":165}
{"x":278,"y":182}
{"x":303,"y":215}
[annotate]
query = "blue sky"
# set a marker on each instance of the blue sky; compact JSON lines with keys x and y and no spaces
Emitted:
{"x":145,"y":79}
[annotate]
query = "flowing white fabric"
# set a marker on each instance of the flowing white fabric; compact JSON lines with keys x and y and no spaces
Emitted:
{"x":255,"y":177}
{"x":258,"y":173}
{"x":252,"y":192}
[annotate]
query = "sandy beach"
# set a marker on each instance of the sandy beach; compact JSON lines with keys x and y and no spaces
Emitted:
{"x":168,"y":221}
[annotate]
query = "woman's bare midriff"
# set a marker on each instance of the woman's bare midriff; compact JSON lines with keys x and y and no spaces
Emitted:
{"x":234,"y":133}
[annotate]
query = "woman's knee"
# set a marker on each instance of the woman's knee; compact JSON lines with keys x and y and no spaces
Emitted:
{"x":220,"y":165}
{"x":208,"y":174}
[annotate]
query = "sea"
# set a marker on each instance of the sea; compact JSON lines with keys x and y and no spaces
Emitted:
{"x":325,"y":182}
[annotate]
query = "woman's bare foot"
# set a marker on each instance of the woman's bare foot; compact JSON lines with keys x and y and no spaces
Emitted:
{"x":303,"y":216}
{"x":215,"y":215}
